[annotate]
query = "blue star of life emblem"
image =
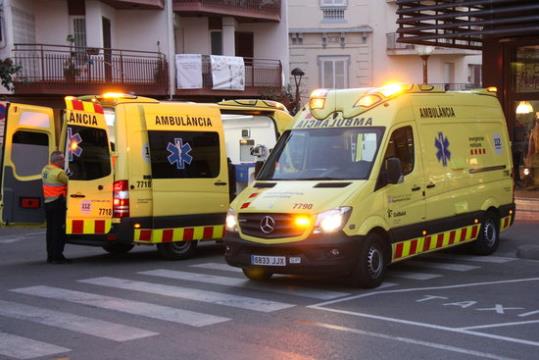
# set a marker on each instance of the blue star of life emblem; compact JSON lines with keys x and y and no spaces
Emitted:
{"x":73,"y":147}
{"x":179,"y":153}
{"x":442,"y":144}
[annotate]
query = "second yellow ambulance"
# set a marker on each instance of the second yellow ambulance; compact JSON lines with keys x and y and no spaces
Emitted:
{"x":369,"y":177}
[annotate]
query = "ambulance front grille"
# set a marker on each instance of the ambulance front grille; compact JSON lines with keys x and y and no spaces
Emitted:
{"x":257,"y":225}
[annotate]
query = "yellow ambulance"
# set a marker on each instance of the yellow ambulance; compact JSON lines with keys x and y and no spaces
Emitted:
{"x":140,"y":171}
{"x":369,"y":177}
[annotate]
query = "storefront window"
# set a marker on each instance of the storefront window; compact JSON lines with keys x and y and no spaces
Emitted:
{"x":526,"y":144}
{"x":525,"y":69}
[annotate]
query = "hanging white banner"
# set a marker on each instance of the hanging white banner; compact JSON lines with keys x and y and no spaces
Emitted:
{"x":189,"y":71}
{"x":228,"y":72}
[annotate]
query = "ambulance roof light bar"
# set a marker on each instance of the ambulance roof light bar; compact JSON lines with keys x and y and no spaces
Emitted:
{"x":317,"y":100}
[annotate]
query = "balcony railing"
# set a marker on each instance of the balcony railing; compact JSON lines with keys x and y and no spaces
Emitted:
{"x":392,"y":44}
{"x":262,"y":77}
{"x":269,"y":10}
{"x":56,"y":69}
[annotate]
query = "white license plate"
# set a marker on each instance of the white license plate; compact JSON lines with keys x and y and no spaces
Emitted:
{"x":268,"y":260}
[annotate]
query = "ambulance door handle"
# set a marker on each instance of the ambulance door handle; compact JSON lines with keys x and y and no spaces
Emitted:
{"x":77,"y":196}
{"x":416,"y":188}
{"x":430,"y":186}
{"x":100,"y":187}
{"x":219,"y":183}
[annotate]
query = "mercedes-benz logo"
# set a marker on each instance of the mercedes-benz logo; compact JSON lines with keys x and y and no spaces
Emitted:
{"x":267,"y":224}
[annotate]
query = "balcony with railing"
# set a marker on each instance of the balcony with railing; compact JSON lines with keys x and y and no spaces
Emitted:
{"x":394,"y":47}
{"x":56,"y":69}
{"x":263,"y":77}
{"x":261,"y":10}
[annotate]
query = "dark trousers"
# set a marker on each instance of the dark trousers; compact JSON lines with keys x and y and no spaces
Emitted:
{"x":55,"y":212}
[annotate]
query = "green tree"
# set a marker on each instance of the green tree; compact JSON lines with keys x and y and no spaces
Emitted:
{"x":7,"y":70}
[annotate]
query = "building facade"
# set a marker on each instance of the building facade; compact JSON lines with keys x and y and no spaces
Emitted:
{"x":89,"y":46}
{"x":352,"y":43}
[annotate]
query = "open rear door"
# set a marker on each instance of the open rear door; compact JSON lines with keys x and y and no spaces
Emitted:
{"x":89,"y":164}
{"x":28,"y":138}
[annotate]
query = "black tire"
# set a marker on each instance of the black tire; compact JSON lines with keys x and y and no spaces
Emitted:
{"x":177,"y":250}
{"x":257,"y":273}
{"x":118,"y":248}
{"x":489,"y":236}
{"x":372,"y":262}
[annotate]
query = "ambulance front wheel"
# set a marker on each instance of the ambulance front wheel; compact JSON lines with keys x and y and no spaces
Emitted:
{"x":371,"y":263}
{"x":177,"y":250}
{"x":117,"y":248}
{"x":256,"y":273}
{"x":489,"y":236}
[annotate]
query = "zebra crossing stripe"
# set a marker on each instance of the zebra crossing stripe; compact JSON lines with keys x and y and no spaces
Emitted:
{"x":138,"y":308}
{"x":19,"y":347}
{"x":413,"y":275}
{"x":80,"y":324}
{"x":441,"y":265}
{"x":242,"y":302}
{"x":218,"y":266}
{"x":243,"y":283}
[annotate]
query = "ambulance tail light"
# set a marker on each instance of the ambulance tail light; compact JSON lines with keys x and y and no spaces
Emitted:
{"x":120,"y":204}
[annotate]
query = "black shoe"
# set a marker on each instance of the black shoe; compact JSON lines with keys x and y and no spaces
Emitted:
{"x":49,"y":259}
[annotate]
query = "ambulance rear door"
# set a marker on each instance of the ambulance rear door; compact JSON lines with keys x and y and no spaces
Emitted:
{"x":189,"y":168}
{"x":89,"y":166}
{"x":27,"y":139}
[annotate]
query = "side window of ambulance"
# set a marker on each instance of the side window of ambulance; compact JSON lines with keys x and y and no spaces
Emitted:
{"x":30,"y":152}
{"x":184,"y":154}
{"x":401,"y":146}
{"x":88,"y":153}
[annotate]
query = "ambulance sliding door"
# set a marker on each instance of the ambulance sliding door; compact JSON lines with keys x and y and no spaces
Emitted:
{"x":29,"y":138}
{"x":189,"y":169}
{"x":88,"y":159}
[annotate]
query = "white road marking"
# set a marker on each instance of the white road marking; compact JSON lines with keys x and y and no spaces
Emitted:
{"x":9,"y":239}
{"x":243,"y":283}
{"x":413,"y":275}
{"x":211,"y":297}
{"x":441,"y":265}
{"x":80,"y":324}
{"x":19,"y":347}
{"x":413,"y":341}
{"x":483,"y":259}
{"x":218,"y":266}
{"x":500,"y":325}
{"x":138,"y":308}
{"x":322,"y":307}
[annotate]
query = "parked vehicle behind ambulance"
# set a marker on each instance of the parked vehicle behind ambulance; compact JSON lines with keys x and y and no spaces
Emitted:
{"x":369,"y":177}
{"x":141,"y":171}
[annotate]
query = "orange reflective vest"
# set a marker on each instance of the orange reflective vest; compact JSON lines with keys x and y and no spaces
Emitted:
{"x":53,"y":186}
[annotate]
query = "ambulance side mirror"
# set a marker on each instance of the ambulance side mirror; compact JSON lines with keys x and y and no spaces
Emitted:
{"x":394,"y":170}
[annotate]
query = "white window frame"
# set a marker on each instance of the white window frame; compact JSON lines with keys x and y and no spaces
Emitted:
{"x":334,"y":59}
{"x":84,"y":37}
{"x":333,"y":3}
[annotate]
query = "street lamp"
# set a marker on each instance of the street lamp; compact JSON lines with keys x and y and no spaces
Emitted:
{"x":298,"y":74}
{"x":424,"y":53}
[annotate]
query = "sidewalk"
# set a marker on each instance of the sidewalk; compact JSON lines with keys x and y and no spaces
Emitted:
{"x":527,"y":206}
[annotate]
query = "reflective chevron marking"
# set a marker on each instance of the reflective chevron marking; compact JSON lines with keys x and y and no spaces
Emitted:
{"x":80,"y":324}
{"x":242,"y":302}
{"x":243,"y":283}
{"x":19,"y":347}
{"x":123,"y":305}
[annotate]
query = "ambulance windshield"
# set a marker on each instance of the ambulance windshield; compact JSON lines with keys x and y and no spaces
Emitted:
{"x":323,"y":154}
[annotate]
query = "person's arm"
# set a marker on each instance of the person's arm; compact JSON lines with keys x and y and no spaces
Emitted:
{"x":62,"y":177}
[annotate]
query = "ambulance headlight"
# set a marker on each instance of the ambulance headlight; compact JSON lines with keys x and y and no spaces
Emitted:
{"x":231,"y":221}
{"x":332,"y":220}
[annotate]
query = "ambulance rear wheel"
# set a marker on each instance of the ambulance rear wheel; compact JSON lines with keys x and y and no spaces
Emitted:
{"x":117,"y":248}
{"x":489,"y":236}
{"x":371,"y":263}
{"x":177,"y":250}
{"x":256,"y":273}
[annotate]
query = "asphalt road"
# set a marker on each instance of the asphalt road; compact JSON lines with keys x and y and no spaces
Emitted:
{"x":138,"y":306}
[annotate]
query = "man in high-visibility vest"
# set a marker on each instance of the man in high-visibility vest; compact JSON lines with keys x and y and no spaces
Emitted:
{"x":54,"y":191}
